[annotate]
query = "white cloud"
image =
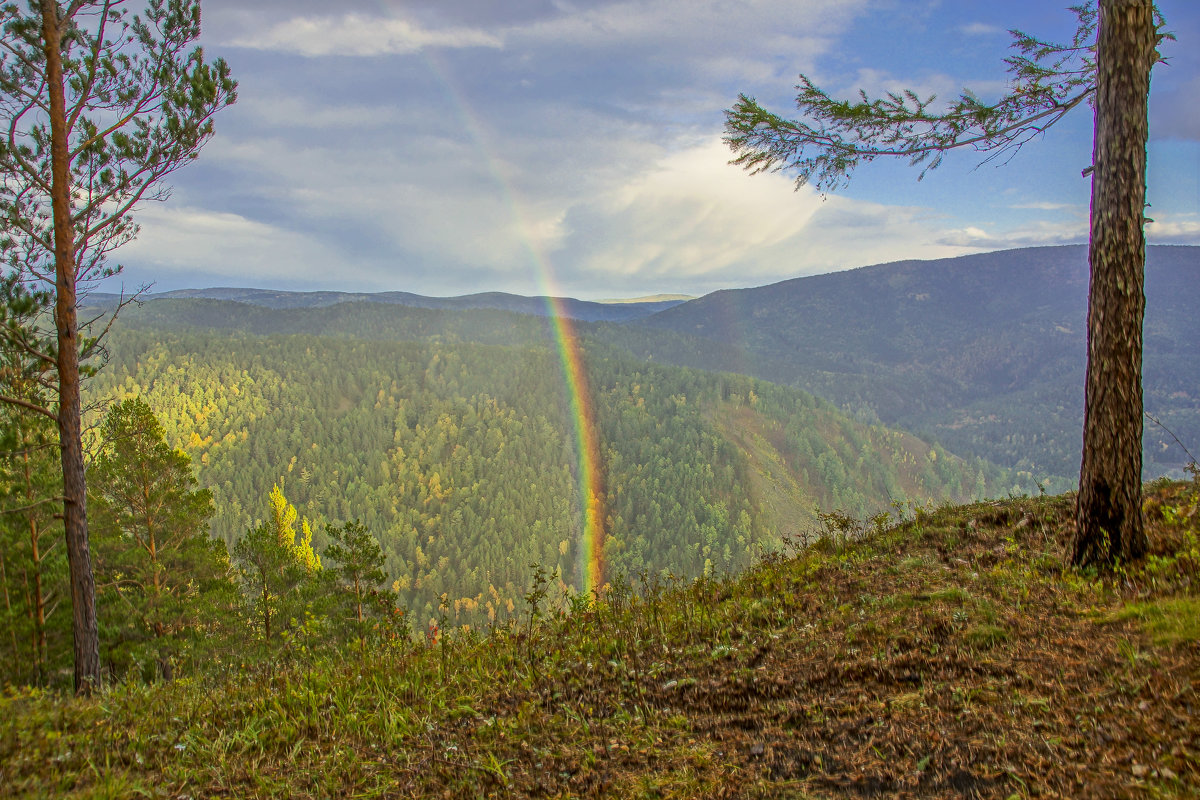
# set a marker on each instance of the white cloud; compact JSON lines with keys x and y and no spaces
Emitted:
{"x":980,"y":29}
{"x":946,"y":88}
{"x":1166,"y":229}
{"x":1041,"y":205}
{"x":175,"y":241}
{"x":582,"y":129}
{"x":474,"y":220}
{"x":1174,"y":229}
{"x":666,"y":23}
{"x":696,"y":223}
{"x":362,"y":35}
{"x":690,"y":27}
{"x":1039,"y":234}
{"x":692,"y":214}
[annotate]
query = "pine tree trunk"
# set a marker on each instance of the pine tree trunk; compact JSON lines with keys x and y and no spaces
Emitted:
{"x":16,"y":663}
{"x":40,"y":659}
{"x":39,"y":602}
{"x":1108,"y":512}
{"x":66,"y":322}
{"x":266,"y":612}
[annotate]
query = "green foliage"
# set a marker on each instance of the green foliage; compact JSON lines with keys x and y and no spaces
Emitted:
{"x":291,"y":600}
{"x":356,"y":555}
{"x":286,"y":598}
{"x":272,"y":578}
{"x":460,"y":458}
{"x":29,"y":351}
{"x":1169,"y":621}
{"x":35,"y":624}
{"x":357,"y":563}
{"x":165,"y":584}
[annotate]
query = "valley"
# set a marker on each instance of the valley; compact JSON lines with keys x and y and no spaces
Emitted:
{"x":450,"y":431}
{"x":462,"y":458}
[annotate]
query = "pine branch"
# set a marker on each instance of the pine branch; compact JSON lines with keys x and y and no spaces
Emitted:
{"x":31,"y":506}
{"x":17,"y":401}
{"x":833,"y":137}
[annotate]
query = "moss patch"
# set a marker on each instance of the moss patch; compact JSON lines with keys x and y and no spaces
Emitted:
{"x":1169,"y":621}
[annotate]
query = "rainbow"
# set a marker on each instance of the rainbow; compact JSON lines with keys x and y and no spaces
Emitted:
{"x":587,"y":445}
{"x":589,"y":467}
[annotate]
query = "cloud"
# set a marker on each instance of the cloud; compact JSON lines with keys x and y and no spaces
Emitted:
{"x":701,"y":24}
{"x":1174,"y":229}
{"x":362,"y":35}
{"x":1040,"y":234}
{"x":176,"y":241}
{"x":374,"y":206}
{"x":691,"y":214}
{"x":582,"y":130}
{"x":691,"y":29}
{"x":1041,"y":205}
{"x":980,"y":29}
{"x":947,"y":88}
{"x":695,"y":223}
{"x":1166,"y":228}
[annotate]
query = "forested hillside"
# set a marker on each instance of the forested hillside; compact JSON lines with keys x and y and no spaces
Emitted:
{"x":460,"y":457}
{"x":982,"y":353}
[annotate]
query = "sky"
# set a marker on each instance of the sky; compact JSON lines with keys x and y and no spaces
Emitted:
{"x":574,"y":147}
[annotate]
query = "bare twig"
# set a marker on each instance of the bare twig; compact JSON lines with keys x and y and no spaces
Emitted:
{"x":1170,"y":433}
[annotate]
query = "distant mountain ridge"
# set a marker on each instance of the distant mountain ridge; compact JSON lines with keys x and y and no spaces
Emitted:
{"x":583,"y":310}
{"x":985,"y":353}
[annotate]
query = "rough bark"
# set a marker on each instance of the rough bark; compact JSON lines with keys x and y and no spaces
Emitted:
{"x":79,"y":560}
{"x":1108,"y":510}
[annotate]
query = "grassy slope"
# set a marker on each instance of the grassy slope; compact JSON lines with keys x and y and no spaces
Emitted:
{"x":782,"y":482}
{"x":950,"y":656}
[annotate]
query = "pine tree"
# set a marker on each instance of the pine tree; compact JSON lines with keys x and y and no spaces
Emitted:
{"x":358,"y":568}
{"x":281,"y":576}
{"x":1108,"y":64}
{"x":33,"y":569}
{"x":97,"y":107}
{"x":269,"y":573}
{"x":167,"y":582}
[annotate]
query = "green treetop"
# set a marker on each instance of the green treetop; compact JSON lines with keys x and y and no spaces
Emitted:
{"x":164,"y":575}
